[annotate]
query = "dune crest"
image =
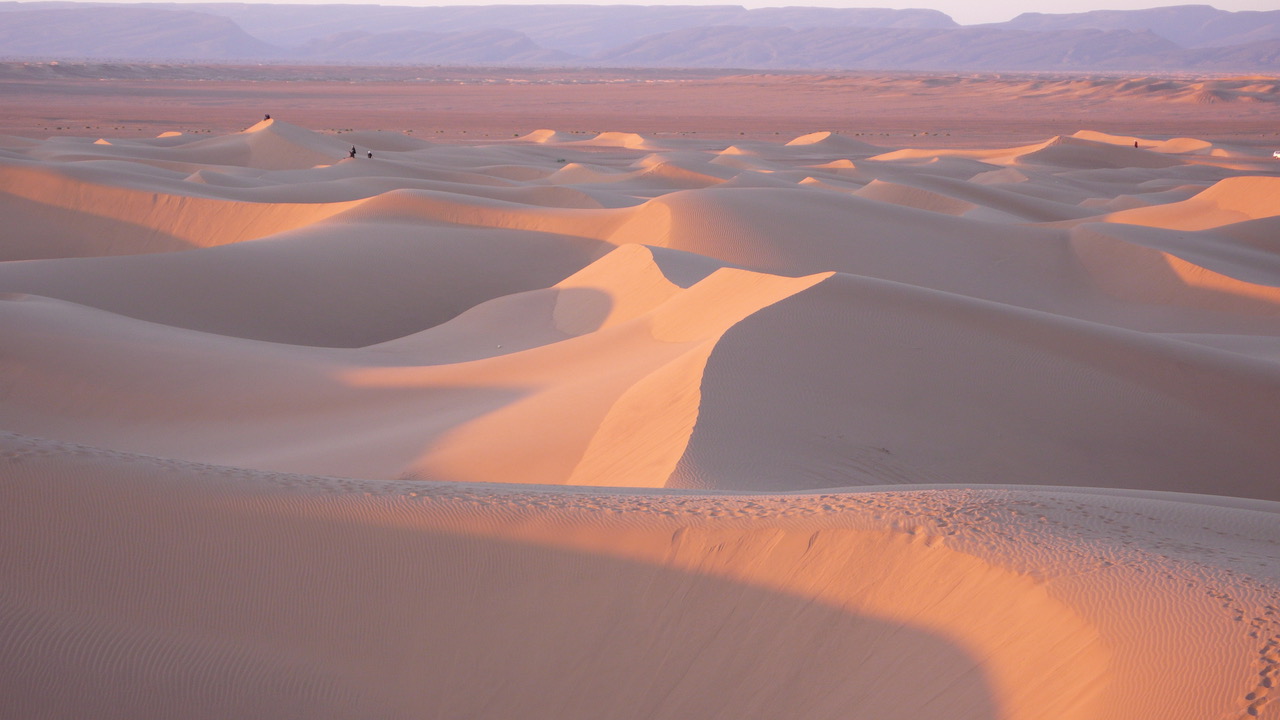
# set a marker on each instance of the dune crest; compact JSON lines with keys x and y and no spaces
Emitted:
{"x":548,"y":136}
{"x":833,"y":142}
{"x":1229,"y":201}
{"x":58,"y":214}
{"x":639,"y":426}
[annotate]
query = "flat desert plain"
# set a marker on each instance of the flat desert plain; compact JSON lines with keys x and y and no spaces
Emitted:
{"x":475,"y":104}
{"x":647,"y":405}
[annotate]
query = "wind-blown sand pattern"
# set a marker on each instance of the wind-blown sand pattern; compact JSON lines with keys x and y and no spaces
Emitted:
{"x":638,"y":427}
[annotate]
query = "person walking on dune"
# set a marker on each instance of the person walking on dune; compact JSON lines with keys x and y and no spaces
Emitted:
{"x":353,"y":151}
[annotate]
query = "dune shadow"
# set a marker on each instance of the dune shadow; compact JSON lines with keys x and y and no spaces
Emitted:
{"x":1153,"y":266}
{"x":327,"y":286}
{"x":262,"y":603}
{"x":40,"y":231}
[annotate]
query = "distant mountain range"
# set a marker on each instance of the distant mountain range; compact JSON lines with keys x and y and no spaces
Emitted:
{"x":1186,"y":37}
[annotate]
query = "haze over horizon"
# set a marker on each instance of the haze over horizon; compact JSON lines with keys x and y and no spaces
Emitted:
{"x":964,"y":13}
{"x":1183,"y":38}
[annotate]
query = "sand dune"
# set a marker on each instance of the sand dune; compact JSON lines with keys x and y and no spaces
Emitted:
{"x":1233,"y":200}
{"x":490,"y":602}
{"x":620,"y":425}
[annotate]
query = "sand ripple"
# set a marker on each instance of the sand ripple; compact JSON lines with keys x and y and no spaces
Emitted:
{"x":638,"y":427}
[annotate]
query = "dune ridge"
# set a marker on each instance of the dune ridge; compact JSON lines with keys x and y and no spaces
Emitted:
{"x":638,"y":427}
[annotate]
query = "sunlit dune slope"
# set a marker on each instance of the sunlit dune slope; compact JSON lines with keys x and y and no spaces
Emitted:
{"x":632,"y":426}
{"x":342,"y":597}
{"x":411,"y":327}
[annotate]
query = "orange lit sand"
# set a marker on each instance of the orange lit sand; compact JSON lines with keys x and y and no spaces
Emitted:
{"x":632,"y":426}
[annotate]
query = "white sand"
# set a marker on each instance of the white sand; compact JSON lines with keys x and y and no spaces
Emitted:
{"x":912,"y":433}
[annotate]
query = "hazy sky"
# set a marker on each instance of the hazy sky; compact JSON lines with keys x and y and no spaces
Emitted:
{"x":966,"y":12}
{"x":970,"y":12}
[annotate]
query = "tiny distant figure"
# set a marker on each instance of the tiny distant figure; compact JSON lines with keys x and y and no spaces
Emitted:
{"x":353,"y":151}
{"x":370,"y":153}
{"x":1135,"y":143}
{"x":267,"y":116}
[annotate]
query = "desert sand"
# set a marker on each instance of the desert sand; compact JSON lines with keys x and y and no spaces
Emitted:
{"x":630,"y":425}
{"x":452,"y":104}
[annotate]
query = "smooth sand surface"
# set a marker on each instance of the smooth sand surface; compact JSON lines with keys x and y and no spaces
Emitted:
{"x":638,"y":426}
{"x":459,"y":104}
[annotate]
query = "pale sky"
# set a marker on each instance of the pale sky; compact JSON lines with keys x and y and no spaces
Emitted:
{"x":965,"y":12}
{"x":972,"y":12}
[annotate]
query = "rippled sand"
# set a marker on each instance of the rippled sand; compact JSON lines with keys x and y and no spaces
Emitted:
{"x":629,"y":426}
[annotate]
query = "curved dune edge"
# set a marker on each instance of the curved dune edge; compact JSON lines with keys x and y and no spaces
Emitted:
{"x":631,"y":415}
{"x":984,"y":434}
{"x":578,"y":380}
{"x":925,"y":405}
{"x":1127,"y":268}
{"x":631,"y":310}
{"x":1229,"y":201}
{"x":1010,"y":603}
{"x":913,"y":197}
{"x":60,"y":216}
